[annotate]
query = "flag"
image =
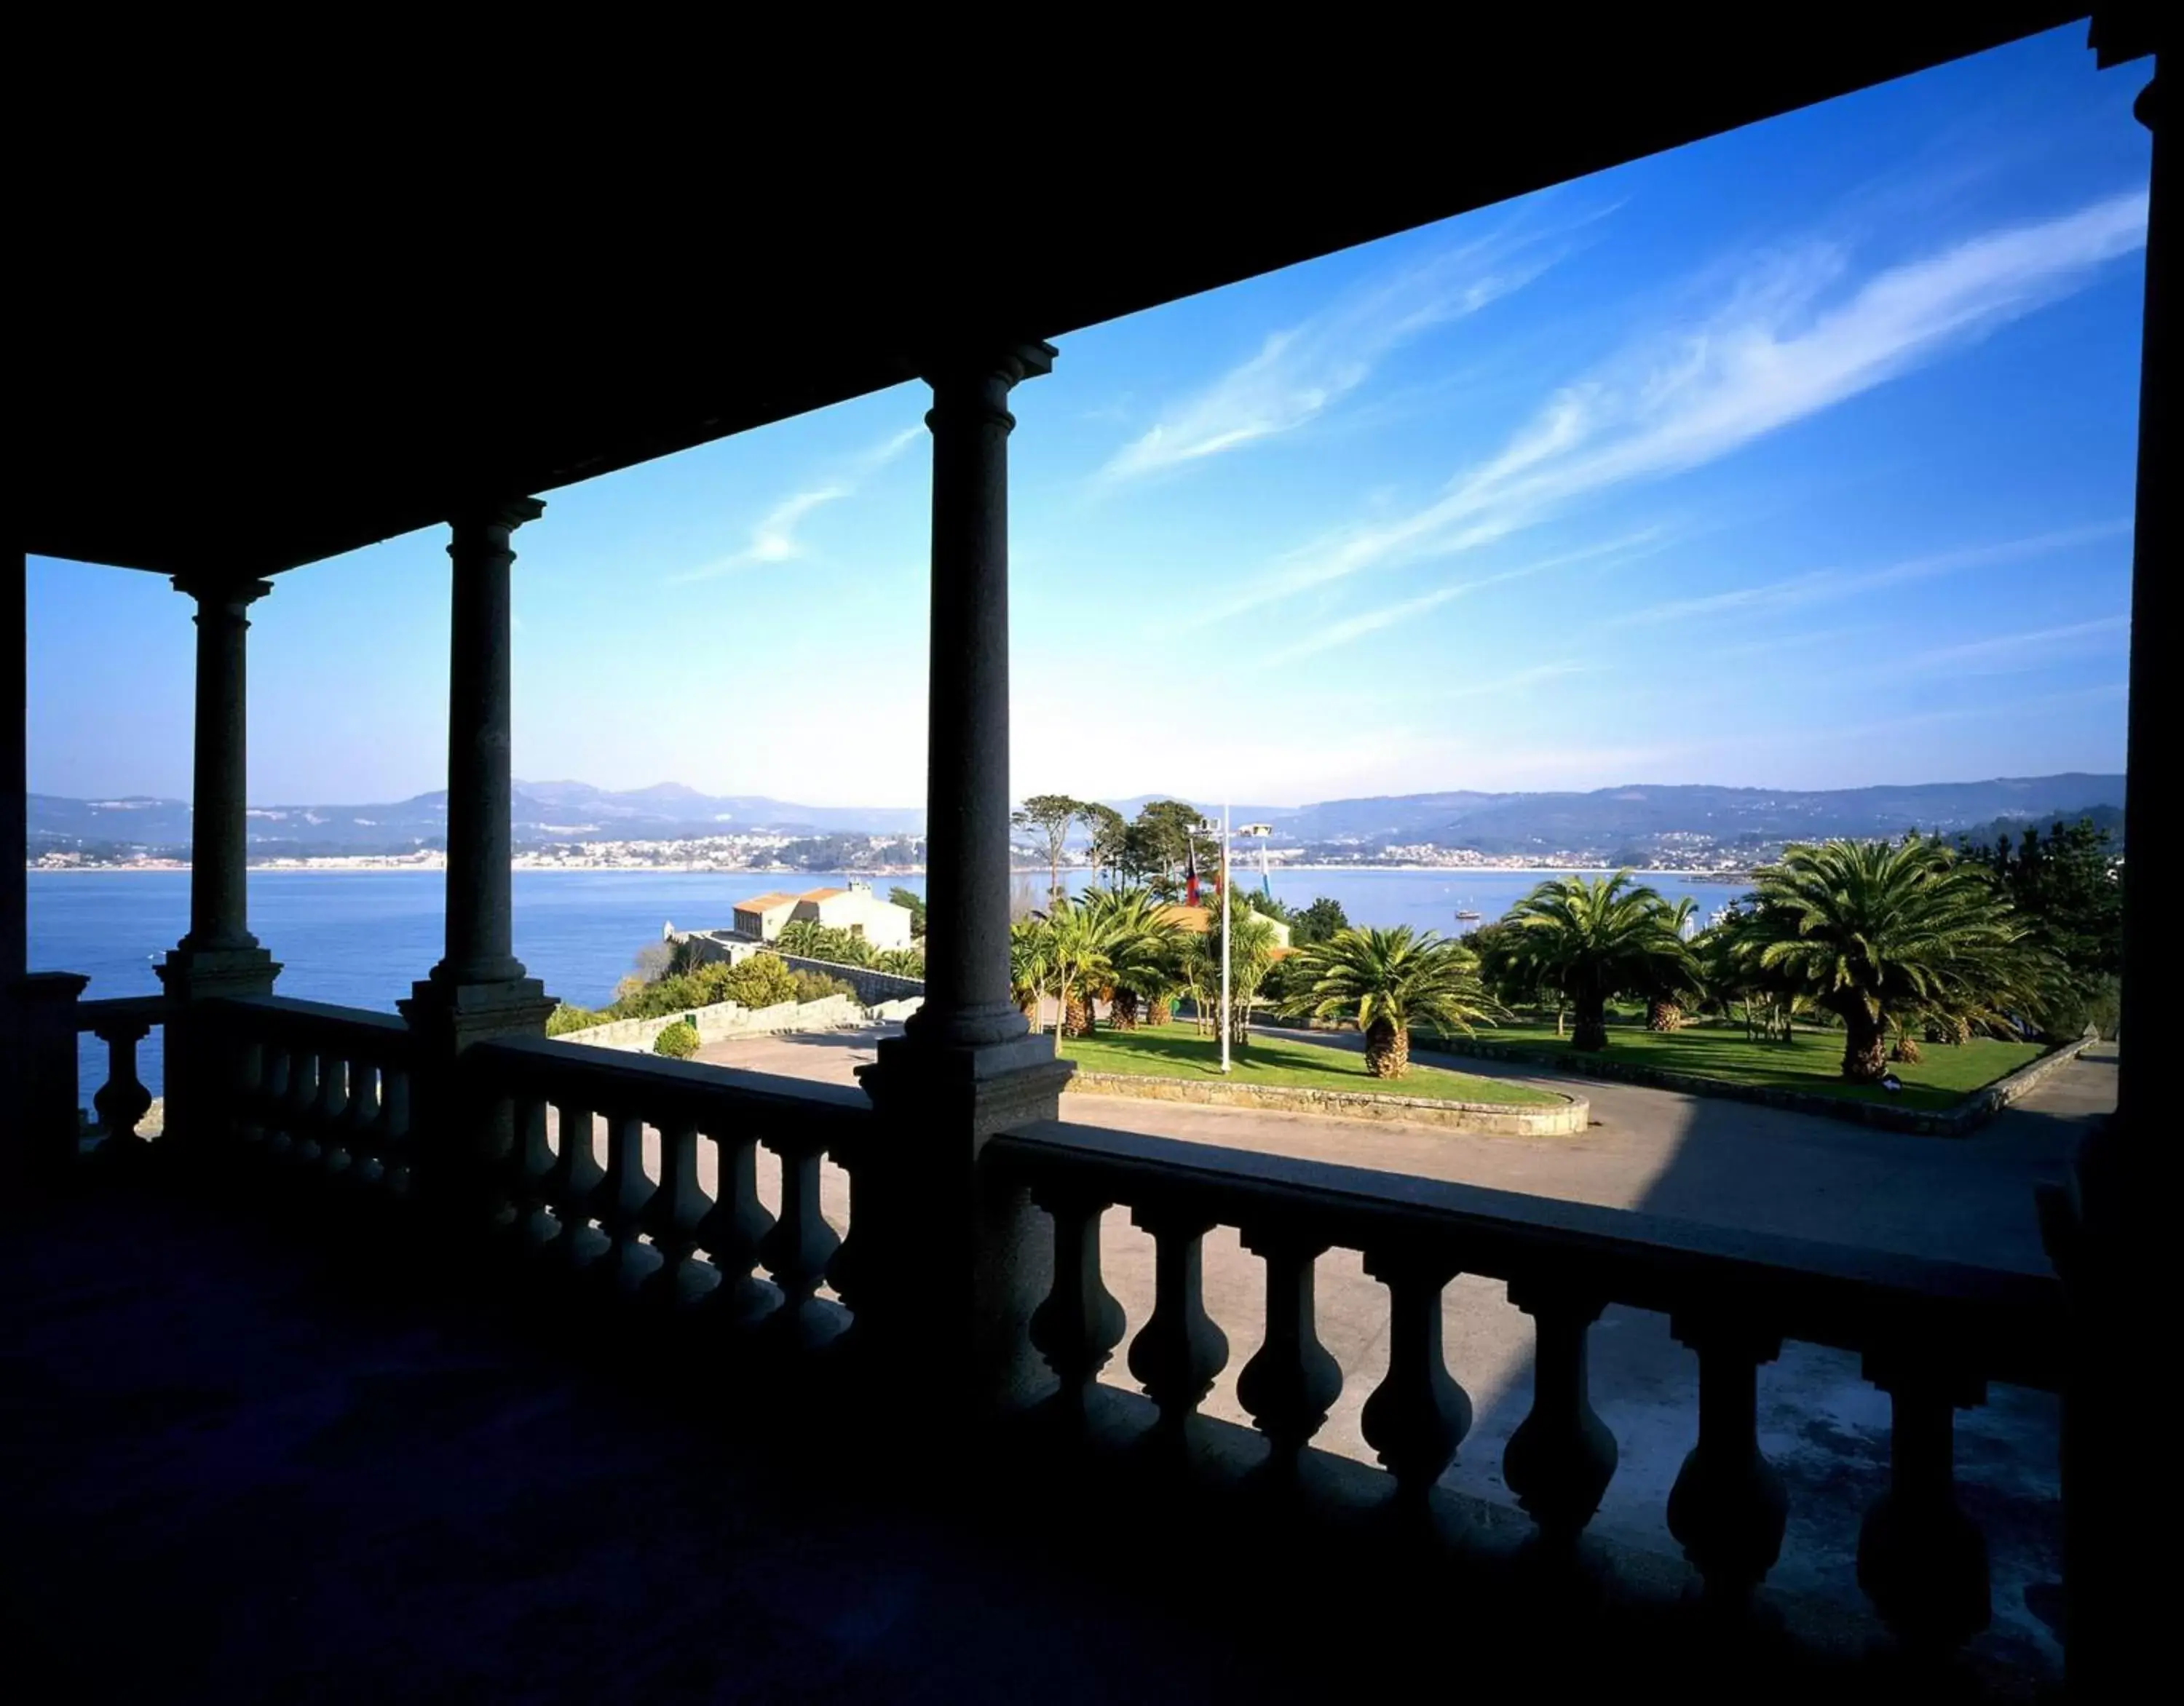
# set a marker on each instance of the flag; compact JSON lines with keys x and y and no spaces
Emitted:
{"x":1190,"y":870}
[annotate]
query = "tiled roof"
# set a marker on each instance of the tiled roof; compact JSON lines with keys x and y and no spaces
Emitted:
{"x":764,"y":903}
{"x":821,"y":893}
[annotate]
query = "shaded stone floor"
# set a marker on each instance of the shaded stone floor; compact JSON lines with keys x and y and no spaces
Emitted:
{"x":243,"y":1464}
{"x":234,"y":1473}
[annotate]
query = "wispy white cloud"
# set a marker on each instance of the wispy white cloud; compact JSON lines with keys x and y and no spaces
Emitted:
{"x":1372,"y":621}
{"x":1819,"y":586}
{"x":1300,"y":371}
{"x":2031,"y":649}
{"x":1789,"y":341}
{"x":774,"y":538}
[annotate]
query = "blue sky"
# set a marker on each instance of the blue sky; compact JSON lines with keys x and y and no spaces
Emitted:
{"x":1799,"y":457}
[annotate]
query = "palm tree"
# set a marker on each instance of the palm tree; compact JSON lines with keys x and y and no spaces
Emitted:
{"x":1134,"y":937}
{"x":1595,"y":937}
{"x":1031,"y":964}
{"x":1252,"y":950}
{"x":1672,"y":985}
{"x":1390,"y":979}
{"x":1078,"y":954}
{"x":900,"y":962}
{"x":1875,"y":932}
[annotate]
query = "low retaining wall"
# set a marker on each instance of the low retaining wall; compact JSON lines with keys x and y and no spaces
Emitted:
{"x":1496,"y":1118}
{"x":723,"y":1020}
{"x":872,"y":986}
{"x":1957,"y":1121}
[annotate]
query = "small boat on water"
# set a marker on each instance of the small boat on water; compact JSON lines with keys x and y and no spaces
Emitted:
{"x":1467,"y":917}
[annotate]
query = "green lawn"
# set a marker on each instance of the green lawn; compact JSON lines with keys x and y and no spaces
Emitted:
{"x":1811,"y":1063}
{"x":1178,"y":1051}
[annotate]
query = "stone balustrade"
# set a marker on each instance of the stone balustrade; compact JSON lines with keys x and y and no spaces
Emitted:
{"x":319,"y":1089}
{"x":641,"y":1175}
{"x":637,"y":1178}
{"x":1932,"y":1335}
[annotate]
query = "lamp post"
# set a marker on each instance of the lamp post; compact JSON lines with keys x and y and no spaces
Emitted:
{"x":1224,"y":939}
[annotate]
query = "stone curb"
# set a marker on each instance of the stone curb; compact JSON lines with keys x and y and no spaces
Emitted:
{"x":1495,"y":1117}
{"x":1976,"y":1108}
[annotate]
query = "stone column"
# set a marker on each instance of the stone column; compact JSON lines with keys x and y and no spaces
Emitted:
{"x":218,"y":956}
{"x":219,"y":798}
{"x":968,"y":1003}
{"x":954,"y":1266}
{"x":2108,"y":1229}
{"x":479,"y":988}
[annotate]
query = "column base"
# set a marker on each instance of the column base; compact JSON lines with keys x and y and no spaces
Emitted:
{"x":949,"y":1264}
{"x":200,"y":974}
{"x":458,"y":1014}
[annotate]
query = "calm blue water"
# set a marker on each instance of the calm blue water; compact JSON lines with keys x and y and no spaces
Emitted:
{"x":362,"y":938}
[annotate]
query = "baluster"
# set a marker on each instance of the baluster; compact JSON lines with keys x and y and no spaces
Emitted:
{"x":797,"y":1246}
{"x":1290,"y":1385}
{"x":1417,"y":1416}
{"x":122,"y":1102}
{"x":391,"y":1131}
{"x":296,"y":1107}
{"x":358,"y":1131}
{"x":1562,"y":1456}
{"x":272,"y":1093}
{"x":252,"y":1064}
{"x":1078,"y":1326}
{"x":1728,"y":1508}
{"x":573,"y":1187}
{"x":675,"y":1211}
{"x":1920,"y":1560}
{"x":329,"y":1112}
{"x":734,"y":1229}
{"x":531,"y":1164}
{"x":1180,"y":1350}
{"x":621,"y":1199}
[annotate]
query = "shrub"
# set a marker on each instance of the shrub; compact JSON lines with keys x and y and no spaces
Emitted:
{"x":817,"y":985}
{"x":679,"y":1042}
{"x":761,"y":980}
{"x":566,"y":1019}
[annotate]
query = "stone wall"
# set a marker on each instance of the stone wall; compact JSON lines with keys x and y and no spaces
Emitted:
{"x":873,"y":987}
{"x":1498,"y":1119}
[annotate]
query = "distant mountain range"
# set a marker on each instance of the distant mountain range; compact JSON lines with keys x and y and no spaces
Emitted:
{"x":541,"y":812}
{"x":1604,"y":822}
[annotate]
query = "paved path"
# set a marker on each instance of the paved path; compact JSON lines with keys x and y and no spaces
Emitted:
{"x":1689,"y":1156}
{"x":1729,"y":1162}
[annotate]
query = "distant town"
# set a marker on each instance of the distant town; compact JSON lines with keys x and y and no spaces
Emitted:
{"x":1696,"y":829}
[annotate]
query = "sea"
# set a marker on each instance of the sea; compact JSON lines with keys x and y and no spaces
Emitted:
{"x":362,"y":937}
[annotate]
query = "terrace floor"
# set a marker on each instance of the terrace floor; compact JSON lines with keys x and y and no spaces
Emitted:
{"x":244,"y":1461}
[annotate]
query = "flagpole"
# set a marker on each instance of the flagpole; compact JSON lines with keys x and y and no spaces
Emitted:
{"x":1224,"y":938}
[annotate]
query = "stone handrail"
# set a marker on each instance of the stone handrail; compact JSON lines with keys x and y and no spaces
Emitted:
{"x":1931,"y":1334}
{"x":629,"y":1205}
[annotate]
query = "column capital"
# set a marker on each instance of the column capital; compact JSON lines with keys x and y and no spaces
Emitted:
{"x":497,"y":515}
{"x":234,"y":593}
{"x":973,"y":381}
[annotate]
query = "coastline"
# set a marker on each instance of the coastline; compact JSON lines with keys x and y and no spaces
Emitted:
{"x":437,"y":863}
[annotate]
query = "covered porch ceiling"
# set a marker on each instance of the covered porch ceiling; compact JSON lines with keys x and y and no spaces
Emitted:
{"x":245,"y":352}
